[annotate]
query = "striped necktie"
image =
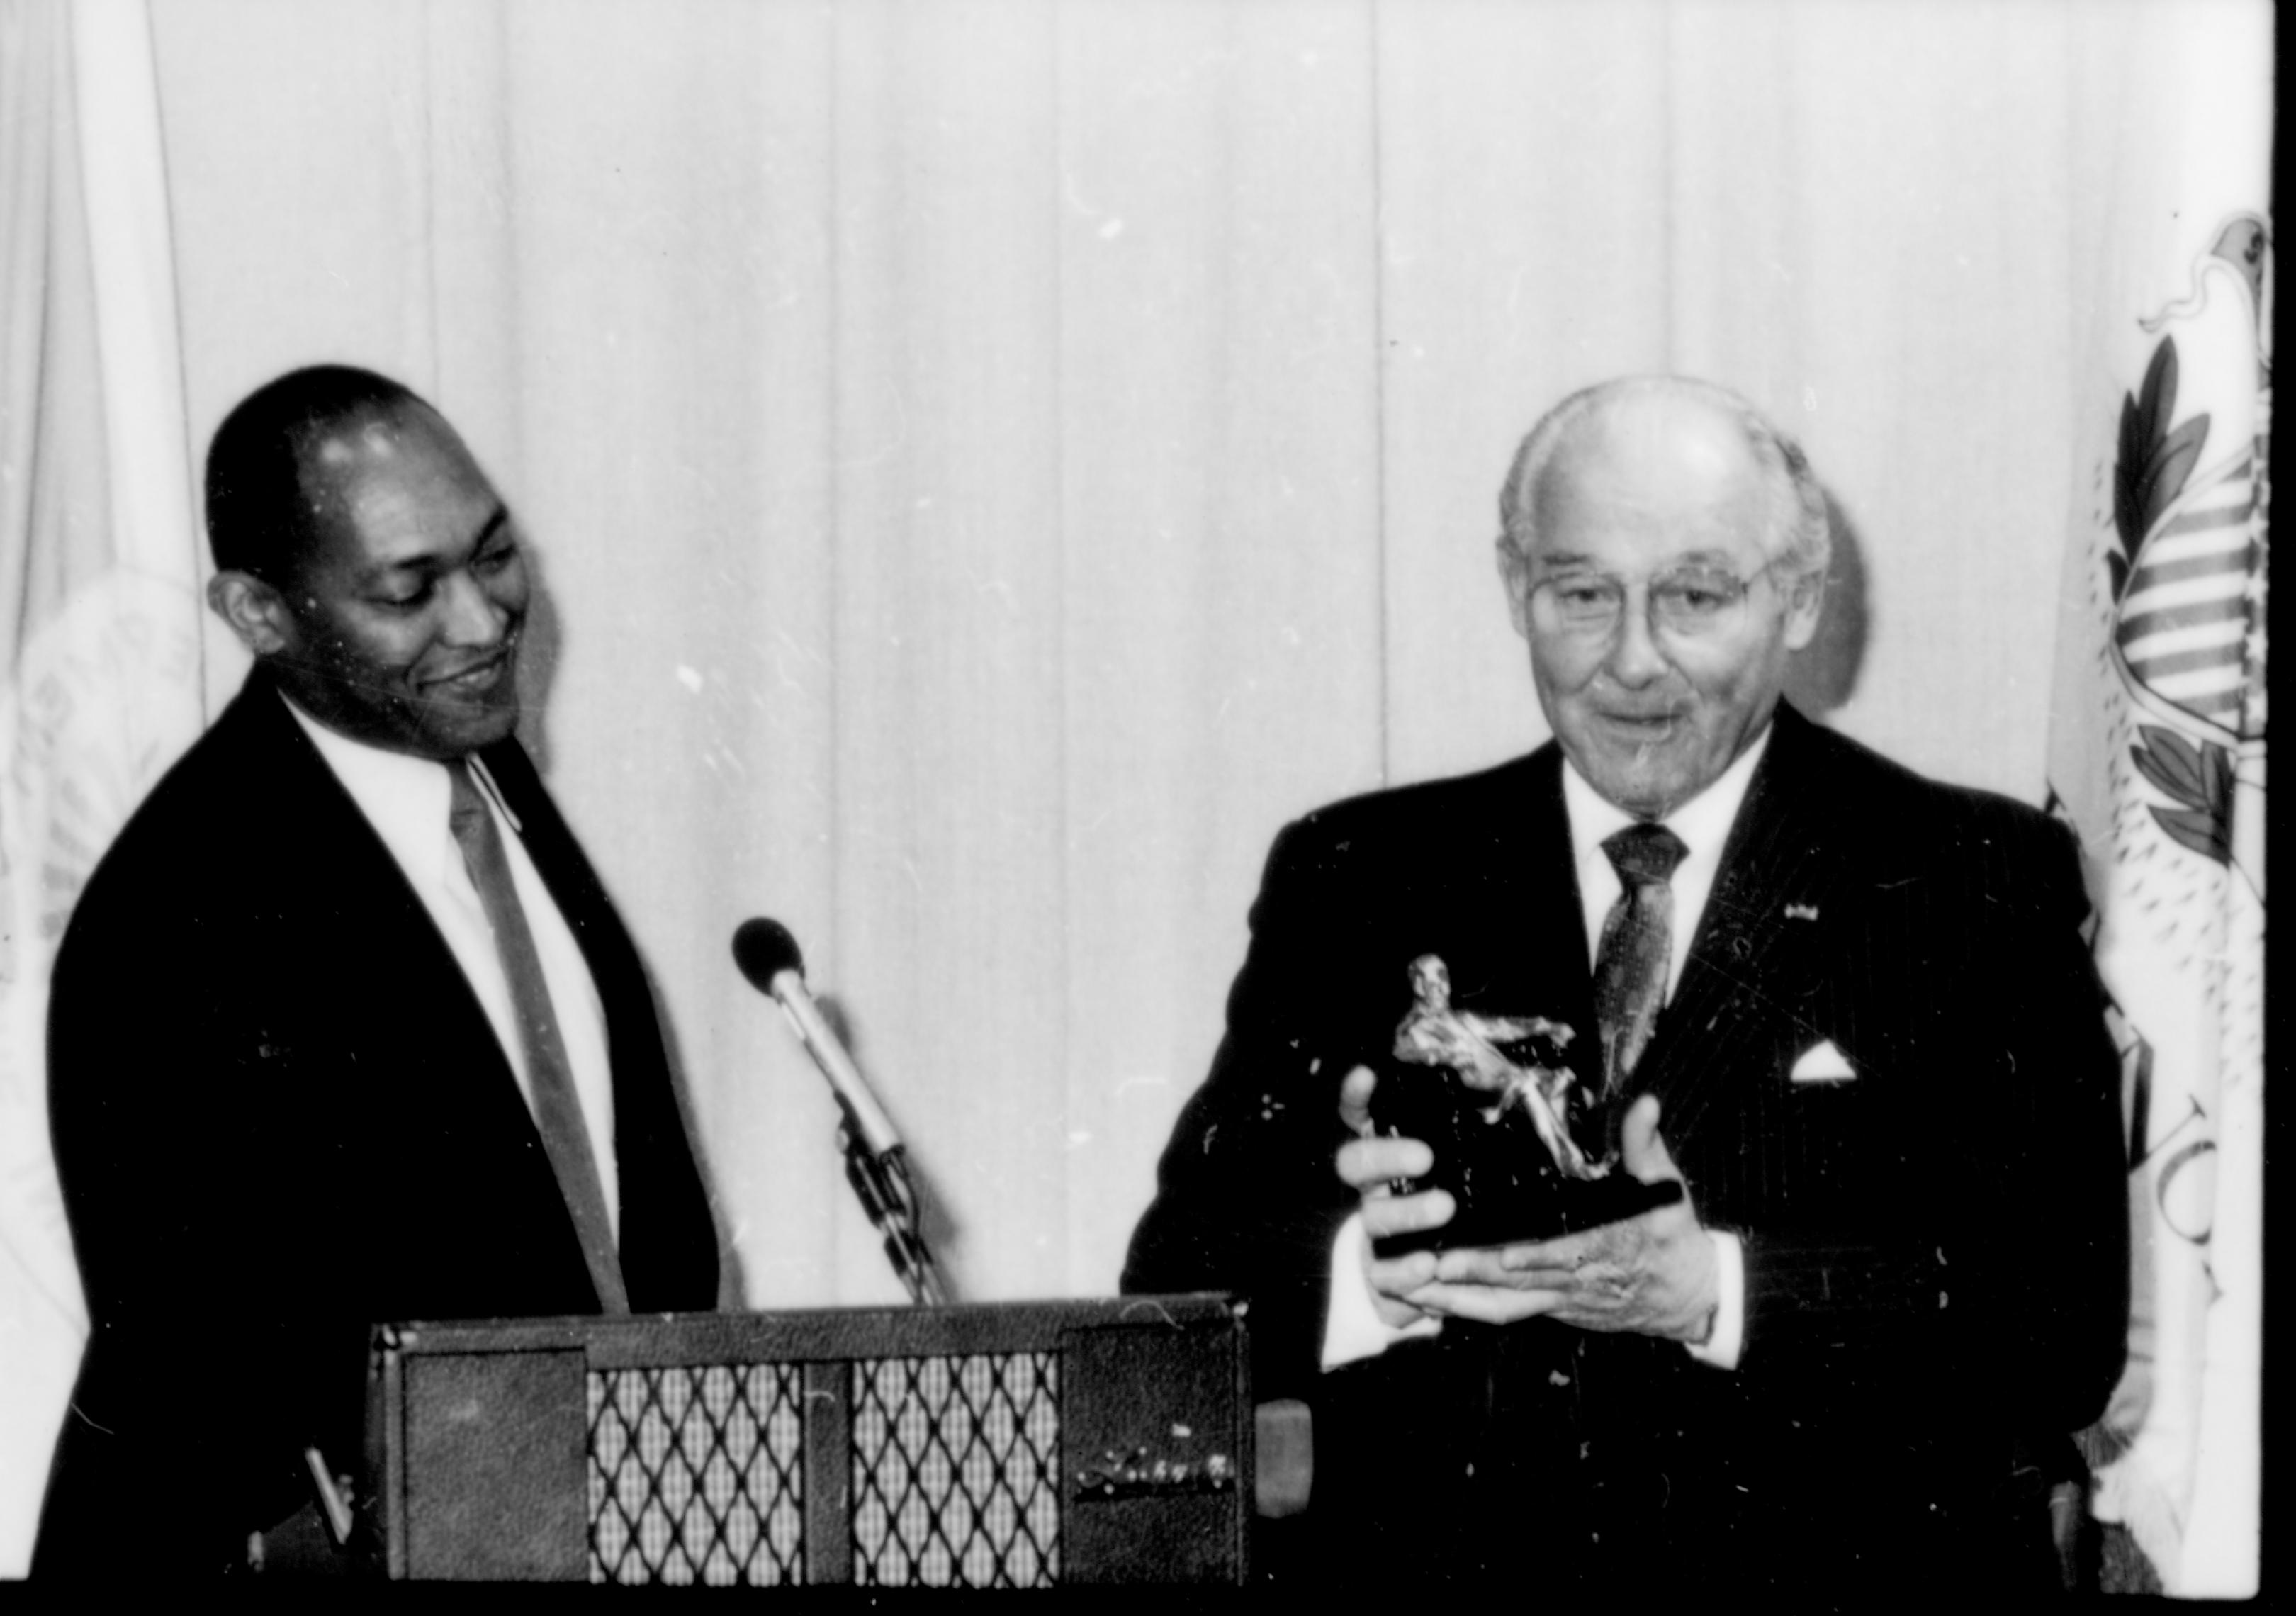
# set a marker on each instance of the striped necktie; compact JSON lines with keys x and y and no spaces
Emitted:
{"x":557,"y":1109}
{"x":1630,"y":970}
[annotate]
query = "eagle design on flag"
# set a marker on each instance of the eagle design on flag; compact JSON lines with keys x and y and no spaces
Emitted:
{"x":2168,"y":688}
{"x":2188,"y":579}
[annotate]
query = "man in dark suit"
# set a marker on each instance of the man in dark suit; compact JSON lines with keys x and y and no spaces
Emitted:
{"x":344,"y":1028}
{"x":1850,"y":1357}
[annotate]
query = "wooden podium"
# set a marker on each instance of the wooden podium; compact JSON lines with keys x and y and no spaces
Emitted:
{"x":1029,"y":1445}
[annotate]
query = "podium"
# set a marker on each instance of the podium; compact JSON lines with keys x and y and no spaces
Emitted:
{"x":1029,"y":1445}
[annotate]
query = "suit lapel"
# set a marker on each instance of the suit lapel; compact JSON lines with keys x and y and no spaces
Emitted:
{"x":1556,"y":959}
{"x":573,"y":885}
{"x":1752,"y":956}
{"x":1553,"y":873}
{"x":450,"y":1069}
{"x":397,"y":939}
{"x":667,"y":1238}
{"x":1507,"y":876}
{"x":632,"y":1032}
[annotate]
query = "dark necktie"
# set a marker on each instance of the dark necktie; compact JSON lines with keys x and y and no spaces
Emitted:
{"x":557,"y":1111}
{"x":1630,"y":970}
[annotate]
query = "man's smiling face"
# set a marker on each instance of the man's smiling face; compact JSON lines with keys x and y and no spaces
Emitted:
{"x":1656,"y":488}
{"x":404,"y":622}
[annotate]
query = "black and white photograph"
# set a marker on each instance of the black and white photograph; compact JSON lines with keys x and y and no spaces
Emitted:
{"x":1318,"y":796}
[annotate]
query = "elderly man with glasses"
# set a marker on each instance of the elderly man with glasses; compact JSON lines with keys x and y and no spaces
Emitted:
{"x":1849,"y":1011}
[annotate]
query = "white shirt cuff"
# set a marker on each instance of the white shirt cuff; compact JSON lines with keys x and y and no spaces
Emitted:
{"x":1721,"y":1348}
{"x":1352,"y":1326}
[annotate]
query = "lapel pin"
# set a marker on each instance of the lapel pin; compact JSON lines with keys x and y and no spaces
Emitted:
{"x":1802,"y":911}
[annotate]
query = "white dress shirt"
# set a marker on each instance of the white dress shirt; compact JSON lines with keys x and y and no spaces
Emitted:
{"x":1352,"y":1326}
{"x":405,"y":800}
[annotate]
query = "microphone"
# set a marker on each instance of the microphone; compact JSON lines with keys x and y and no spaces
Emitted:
{"x":875,"y":1164}
{"x":768,"y":956}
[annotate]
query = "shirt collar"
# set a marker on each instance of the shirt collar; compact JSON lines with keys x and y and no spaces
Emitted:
{"x":1703,"y":823}
{"x":404,"y":797}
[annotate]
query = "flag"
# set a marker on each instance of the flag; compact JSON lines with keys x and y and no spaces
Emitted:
{"x":2158,"y":753}
{"x":101,"y":676}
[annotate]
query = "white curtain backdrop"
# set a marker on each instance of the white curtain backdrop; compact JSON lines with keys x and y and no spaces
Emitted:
{"x":993,"y":464}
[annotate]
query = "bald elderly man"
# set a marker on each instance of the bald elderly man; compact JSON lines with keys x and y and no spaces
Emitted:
{"x":1851,"y":1009}
{"x":344,"y":1027}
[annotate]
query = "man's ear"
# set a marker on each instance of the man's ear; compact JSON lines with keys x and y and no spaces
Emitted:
{"x":256,"y":613}
{"x":1805,"y":604}
{"x":1515,"y":572}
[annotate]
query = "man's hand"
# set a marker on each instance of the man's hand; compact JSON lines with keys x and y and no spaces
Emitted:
{"x":1654,"y":1274}
{"x":1370,"y":1164}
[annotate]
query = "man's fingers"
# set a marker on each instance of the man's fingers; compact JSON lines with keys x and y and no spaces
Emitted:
{"x":1399,"y":1276}
{"x":1407,"y":1214}
{"x":1505,"y":1268}
{"x":1368,"y":1163}
{"x":1543,"y":1266}
{"x":1571,"y":1251}
{"x":1483,"y":1303}
{"x":1645,"y":1154}
{"x":1471,"y":1265}
{"x":1355,"y":1099}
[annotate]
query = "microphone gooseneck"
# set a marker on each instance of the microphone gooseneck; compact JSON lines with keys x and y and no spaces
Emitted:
{"x":875,"y":1163}
{"x":769,"y":956}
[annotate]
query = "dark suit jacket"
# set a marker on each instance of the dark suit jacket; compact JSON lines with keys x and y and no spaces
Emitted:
{"x":281,"y":1116}
{"x":1935,"y":1249}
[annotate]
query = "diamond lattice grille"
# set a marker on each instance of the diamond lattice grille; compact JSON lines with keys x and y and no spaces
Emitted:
{"x":956,"y":1471}
{"x":694,"y":1475}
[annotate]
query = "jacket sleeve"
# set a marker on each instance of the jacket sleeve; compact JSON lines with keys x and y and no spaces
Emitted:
{"x":190,"y":1240}
{"x":2060,"y":1281}
{"x":1248,"y":1196}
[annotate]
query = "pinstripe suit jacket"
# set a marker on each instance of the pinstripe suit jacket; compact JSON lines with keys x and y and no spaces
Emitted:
{"x":1935,"y":1248}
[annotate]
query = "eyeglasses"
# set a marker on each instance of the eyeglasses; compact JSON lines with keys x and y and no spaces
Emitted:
{"x":1688,"y":601}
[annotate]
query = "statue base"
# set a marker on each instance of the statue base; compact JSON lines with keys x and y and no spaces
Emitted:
{"x":1505,"y":1182}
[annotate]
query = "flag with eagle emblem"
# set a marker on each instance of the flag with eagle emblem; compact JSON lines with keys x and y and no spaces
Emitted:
{"x":2157,"y":758}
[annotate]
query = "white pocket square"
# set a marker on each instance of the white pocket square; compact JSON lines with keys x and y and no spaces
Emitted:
{"x":1821,"y":1062}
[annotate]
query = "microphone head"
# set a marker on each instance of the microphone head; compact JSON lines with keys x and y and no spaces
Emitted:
{"x":764,"y":949}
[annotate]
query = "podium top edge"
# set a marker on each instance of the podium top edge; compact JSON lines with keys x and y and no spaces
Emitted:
{"x":653,"y":1340}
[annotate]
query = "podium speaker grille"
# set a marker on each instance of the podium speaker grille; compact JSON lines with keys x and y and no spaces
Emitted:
{"x":697,"y":1475}
{"x":955,"y":1472}
{"x":1018,"y":1445}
